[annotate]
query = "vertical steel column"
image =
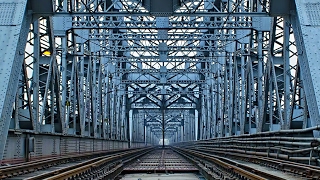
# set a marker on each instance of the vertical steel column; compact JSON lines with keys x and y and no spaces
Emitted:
{"x":260,"y":83}
{"x":107,"y":102}
{"x":101,"y":91}
{"x":214,"y":107}
{"x":182,"y":127}
{"x":196,"y":127}
{"x":53,"y":84}
{"x":237,"y":109}
{"x":123,"y":116}
{"x":226,"y":122}
{"x":35,"y":75}
{"x":243,"y":91}
{"x":94,"y":95}
{"x":202,"y":118}
{"x":286,"y":74}
{"x":208,"y":106}
{"x":88,"y":95}
{"x":219,"y":93}
{"x":182,"y":133}
{"x":117,"y":111}
{"x":130,"y":128}
{"x":252,"y":98}
{"x":230,"y":93}
{"x":64,"y":79}
{"x":271,"y":103}
{"x":81,"y":92}
{"x":71,"y":99}
{"x":163,"y":127}
{"x":112,"y":109}
{"x":145,"y":135}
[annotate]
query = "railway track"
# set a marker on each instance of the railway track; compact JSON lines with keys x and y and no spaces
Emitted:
{"x":218,"y":165}
{"x":211,"y":163}
{"x":84,"y":166}
{"x":161,"y":160}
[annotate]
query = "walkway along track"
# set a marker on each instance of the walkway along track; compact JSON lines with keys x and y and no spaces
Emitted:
{"x":107,"y":164}
{"x":216,"y":166}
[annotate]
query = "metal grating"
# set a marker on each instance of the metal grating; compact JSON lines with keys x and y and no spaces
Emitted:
{"x":7,"y":13}
{"x":313,"y":12}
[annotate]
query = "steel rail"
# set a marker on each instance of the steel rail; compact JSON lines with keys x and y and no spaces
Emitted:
{"x":230,"y":167}
{"x":32,"y":166}
{"x":274,"y":161}
{"x":110,"y":165}
{"x":304,"y":170}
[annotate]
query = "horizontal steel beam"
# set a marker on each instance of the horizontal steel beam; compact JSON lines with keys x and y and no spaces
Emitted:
{"x":169,"y":49}
{"x":167,"y":82}
{"x":176,"y":71}
{"x":175,"y":14}
{"x":164,"y":93}
{"x":175,"y":36}
{"x":173,"y":59}
{"x":94,"y":21}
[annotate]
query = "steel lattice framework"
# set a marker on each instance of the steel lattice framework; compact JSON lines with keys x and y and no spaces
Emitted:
{"x":133,"y":69}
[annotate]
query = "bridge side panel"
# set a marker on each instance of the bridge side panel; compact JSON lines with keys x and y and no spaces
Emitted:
{"x":14,"y":26}
{"x":306,"y":24}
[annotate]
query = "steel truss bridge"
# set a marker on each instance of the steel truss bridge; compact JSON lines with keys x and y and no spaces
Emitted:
{"x":78,"y":73}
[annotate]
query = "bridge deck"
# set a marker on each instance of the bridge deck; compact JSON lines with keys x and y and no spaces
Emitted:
{"x":161,"y":160}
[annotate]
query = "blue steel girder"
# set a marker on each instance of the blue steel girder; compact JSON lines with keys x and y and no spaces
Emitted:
{"x":14,"y":24}
{"x":305,"y":22}
{"x":228,"y":62}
